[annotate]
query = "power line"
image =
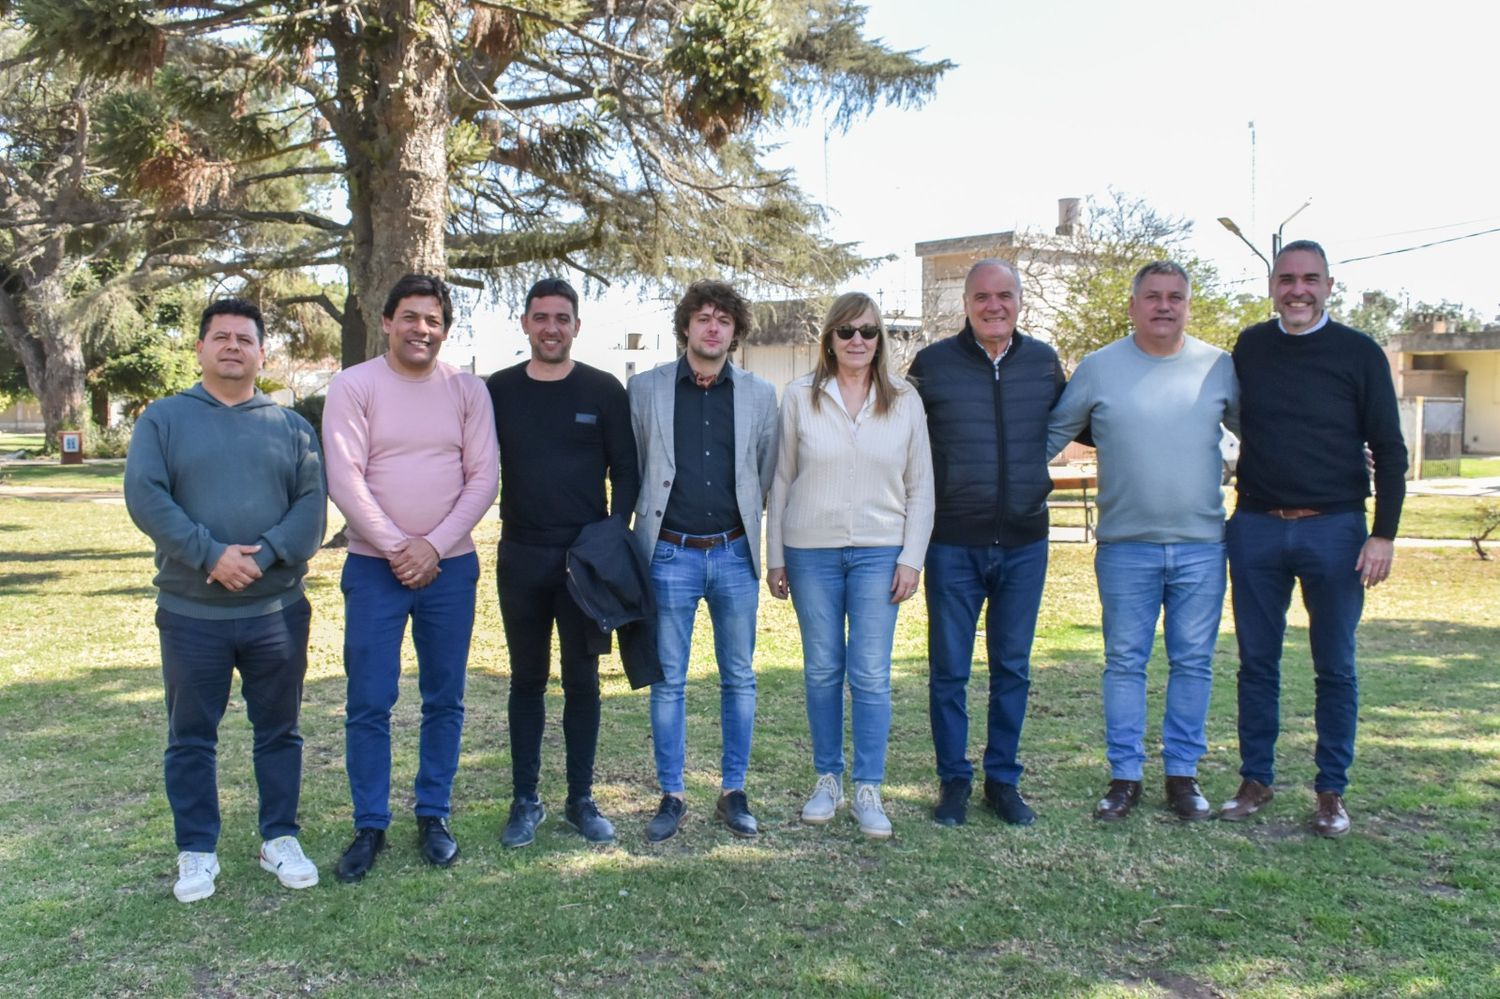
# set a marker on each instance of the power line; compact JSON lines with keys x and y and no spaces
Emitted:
{"x":1431,"y":228}
{"x":1423,"y":246}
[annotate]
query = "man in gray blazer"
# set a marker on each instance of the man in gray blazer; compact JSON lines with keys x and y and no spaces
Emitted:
{"x":706,"y":431}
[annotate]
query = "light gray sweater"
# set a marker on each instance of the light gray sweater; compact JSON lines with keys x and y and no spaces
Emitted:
{"x":1156,"y":425}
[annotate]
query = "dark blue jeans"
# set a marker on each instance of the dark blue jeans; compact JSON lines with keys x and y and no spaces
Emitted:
{"x":1266,"y":556}
{"x":960,"y":578}
{"x":376,"y":608}
{"x":198,"y":660}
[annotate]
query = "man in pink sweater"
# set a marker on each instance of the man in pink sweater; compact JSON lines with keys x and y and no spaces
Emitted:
{"x":412,"y":464}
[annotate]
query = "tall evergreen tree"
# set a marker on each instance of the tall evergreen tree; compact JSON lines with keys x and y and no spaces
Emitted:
{"x":473,"y":137}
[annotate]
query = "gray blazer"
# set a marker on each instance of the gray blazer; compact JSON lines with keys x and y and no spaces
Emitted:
{"x":756,"y":427}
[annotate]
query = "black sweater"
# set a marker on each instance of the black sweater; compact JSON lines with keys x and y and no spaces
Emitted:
{"x":989,"y":437}
{"x":558,"y":442}
{"x":1309,"y":405}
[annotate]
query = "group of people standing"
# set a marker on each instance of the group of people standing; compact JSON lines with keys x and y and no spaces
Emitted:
{"x":624,"y":507}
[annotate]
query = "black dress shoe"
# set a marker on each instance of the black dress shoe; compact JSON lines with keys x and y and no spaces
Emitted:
{"x":734,"y":811}
{"x":667,"y":820}
{"x":357,"y":860}
{"x":1005,"y":801}
{"x":952,"y":808}
{"x":1186,"y":800}
{"x":1118,"y":800}
{"x":439,"y":848}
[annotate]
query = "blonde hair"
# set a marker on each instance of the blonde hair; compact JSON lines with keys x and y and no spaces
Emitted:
{"x":844,"y":310}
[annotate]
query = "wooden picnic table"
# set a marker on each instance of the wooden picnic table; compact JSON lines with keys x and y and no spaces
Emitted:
{"x":1070,"y":479}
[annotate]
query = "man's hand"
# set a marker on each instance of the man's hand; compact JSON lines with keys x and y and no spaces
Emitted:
{"x":904,"y":583}
{"x":1374,"y":563}
{"x":235,"y":569}
{"x":415,"y":563}
{"x":777,"y":584}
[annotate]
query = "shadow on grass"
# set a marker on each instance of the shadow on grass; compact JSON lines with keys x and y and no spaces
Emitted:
{"x":17,"y":583}
{"x":74,"y":554}
{"x":1065,"y":908}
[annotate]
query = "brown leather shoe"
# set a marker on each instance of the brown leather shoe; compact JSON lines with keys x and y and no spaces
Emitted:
{"x":1186,"y":800}
{"x":1331,"y":820}
{"x":1118,"y":800}
{"x":1249,"y":799}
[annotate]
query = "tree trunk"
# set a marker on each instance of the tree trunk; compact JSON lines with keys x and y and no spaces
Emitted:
{"x":397,"y":163}
{"x":51,"y":353}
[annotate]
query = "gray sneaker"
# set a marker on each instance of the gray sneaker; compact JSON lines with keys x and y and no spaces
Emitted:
{"x":867,"y":811}
{"x":827,"y":795}
{"x":520,"y":828}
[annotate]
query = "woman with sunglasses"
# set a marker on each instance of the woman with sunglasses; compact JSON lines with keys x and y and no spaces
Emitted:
{"x":849,"y":516}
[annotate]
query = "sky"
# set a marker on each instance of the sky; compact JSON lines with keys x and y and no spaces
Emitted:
{"x":1383,"y":115}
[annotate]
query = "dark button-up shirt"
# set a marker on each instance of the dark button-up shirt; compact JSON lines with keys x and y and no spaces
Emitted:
{"x":702,"y":500}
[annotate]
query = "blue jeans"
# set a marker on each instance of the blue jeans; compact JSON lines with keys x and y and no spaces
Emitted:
{"x":832,"y":586}
{"x":1266,"y":556}
{"x":960,"y":578}
{"x":1137,"y":582}
{"x":198,"y":660}
{"x":724,"y":578}
{"x":376,"y":608}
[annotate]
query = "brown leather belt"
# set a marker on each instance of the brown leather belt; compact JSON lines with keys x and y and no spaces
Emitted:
{"x":1293,"y":513}
{"x":704,"y":541}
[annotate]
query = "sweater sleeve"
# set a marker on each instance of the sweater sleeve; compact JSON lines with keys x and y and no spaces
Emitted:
{"x":346,"y":432}
{"x":296,"y":537}
{"x":781,"y":483}
{"x":1380,"y":421}
{"x":1071,"y":412}
{"x":149,"y":500}
{"x":921,"y":491}
{"x":620,"y":452}
{"x":480,"y":460}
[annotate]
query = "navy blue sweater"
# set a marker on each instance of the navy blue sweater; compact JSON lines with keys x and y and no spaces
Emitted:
{"x":1309,"y":405}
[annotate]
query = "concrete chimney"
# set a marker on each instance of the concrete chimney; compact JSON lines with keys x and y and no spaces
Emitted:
{"x":1067,"y":215}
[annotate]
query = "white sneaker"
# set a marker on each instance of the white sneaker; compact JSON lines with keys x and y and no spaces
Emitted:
{"x":195,"y":875}
{"x":868,"y":812}
{"x":284,"y":858}
{"x":827,"y":795}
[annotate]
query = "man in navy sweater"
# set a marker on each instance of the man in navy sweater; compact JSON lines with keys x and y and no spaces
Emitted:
{"x":1313,"y":395}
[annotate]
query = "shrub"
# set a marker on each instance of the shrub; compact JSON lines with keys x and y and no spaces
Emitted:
{"x":108,"y":442}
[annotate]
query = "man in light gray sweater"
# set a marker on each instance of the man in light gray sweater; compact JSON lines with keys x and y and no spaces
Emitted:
{"x":1156,"y":401}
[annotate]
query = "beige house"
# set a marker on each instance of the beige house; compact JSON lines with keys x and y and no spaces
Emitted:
{"x":1432,"y":363}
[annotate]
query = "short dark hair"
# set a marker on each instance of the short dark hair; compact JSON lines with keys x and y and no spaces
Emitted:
{"x":233,"y":307}
{"x":1302,"y":244}
{"x":720,"y":295}
{"x":549,"y":287}
{"x":420,"y":286}
{"x":1170,"y":268}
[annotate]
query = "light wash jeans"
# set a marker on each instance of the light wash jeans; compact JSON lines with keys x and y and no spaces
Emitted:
{"x":832,"y":587}
{"x":724,"y":577}
{"x":1140,"y":582}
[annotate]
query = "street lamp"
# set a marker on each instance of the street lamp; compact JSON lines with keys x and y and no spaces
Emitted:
{"x":1276,"y":240}
{"x":1228,"y":223}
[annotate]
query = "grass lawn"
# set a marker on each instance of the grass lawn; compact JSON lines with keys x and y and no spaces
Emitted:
{"x":1479,"y":468}
{"x":1407,"y":905}
{"x":10,"y":441}
{"x":94,"y":476}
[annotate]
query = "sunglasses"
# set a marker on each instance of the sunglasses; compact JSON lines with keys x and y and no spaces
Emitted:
{"x":847,"y":332}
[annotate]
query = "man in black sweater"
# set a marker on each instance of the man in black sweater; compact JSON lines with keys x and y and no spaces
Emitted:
{"x":987,"y":392}
{"x":563,"y":428}
{"x":1313,"y":395}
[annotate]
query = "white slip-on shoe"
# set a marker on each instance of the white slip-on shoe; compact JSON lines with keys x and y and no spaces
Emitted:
{"x":824,"y":801}
{"x":869,"y":813}
{"x":195,"y":875}
{"x":284,"y":858}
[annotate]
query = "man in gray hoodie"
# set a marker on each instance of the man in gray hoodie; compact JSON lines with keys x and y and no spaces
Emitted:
{"x":230,"y":488}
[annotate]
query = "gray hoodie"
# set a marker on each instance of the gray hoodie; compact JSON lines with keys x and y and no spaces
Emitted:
{"x":201,"y":475}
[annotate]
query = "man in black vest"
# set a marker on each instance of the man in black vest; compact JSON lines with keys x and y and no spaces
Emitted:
{"x":987,"y":391}
{"x":1313,"y":395}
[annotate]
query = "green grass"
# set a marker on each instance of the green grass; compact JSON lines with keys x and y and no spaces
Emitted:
{"x":94,"y":476}
{"x":1408,"y":905}
{"x":1479,"y":468}
{"x":1440,"y":516}
{"x":10,"y":441}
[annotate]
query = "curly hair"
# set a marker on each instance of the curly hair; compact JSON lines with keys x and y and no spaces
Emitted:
{"x":721,"y":296}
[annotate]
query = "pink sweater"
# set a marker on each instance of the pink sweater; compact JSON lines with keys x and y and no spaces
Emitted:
{"x":410,"y":457}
